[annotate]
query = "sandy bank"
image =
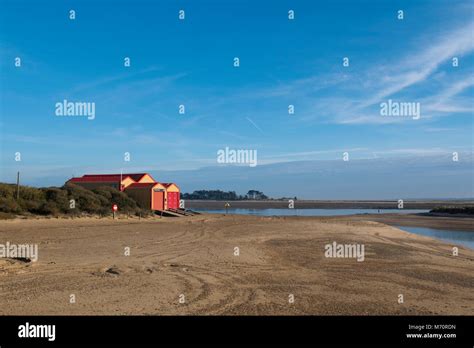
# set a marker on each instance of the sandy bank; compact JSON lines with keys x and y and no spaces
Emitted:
{"x":195,"y":257}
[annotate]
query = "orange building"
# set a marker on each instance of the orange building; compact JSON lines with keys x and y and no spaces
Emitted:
{"x":148,"y":193}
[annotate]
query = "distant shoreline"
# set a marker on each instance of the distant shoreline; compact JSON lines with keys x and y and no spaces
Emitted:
{"x":445,"y":222}
{"x":326,"y":204}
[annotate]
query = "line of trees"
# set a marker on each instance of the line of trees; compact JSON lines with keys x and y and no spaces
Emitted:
{"x":218,"y":195}
{"x":467,"y":210}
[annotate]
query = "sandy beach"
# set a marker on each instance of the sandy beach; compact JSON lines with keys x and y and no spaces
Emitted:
{"x":192,"y":260}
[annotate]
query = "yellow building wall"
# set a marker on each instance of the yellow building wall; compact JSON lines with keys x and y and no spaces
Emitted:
{"x":159,"y":186}
{"x":146,"y":178}
{"x":127,"y":182}
{"x":173,"y":188}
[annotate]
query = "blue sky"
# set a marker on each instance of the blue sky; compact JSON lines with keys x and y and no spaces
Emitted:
{"x":190,"y":62}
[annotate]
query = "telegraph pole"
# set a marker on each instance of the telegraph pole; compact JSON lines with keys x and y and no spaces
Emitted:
{"x":17,"y":185}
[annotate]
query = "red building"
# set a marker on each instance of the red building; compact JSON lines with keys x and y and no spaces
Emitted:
{"x":172,"y":196}
{"x":148,"y":193}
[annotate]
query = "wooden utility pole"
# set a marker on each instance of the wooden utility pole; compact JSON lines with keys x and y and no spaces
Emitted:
{"x":17,"y":185}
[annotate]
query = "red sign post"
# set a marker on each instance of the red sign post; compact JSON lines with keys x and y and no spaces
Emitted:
{"x":114,"y":209}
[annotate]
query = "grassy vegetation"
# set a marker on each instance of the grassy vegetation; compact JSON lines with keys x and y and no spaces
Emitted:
{"x":467,"y":210}
{"x":71,"y":200}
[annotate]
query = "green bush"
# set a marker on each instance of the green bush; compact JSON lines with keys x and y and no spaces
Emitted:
{"x":32,"y":206}
{"x":85,"y":200}
{"x":56,"y":201}
{"x":59,"y":197}
{"x":48,"y":208}
{"x":7,"y":191}
{"x":113,"y":196}
{"x":31,"y":194}
{"x":9,"y":205}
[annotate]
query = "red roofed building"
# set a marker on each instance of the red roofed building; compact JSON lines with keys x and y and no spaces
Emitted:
{"x":148,"y":193}
{"x":91,"y":182}
{"x":172,"y":196}
{"x":118,"y":181}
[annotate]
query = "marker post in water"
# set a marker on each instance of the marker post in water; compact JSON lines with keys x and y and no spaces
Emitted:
{"x":114,"y":209}
{"x":226,"y":205}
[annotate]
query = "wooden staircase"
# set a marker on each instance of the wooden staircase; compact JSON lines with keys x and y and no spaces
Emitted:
{"x":176,"y":212}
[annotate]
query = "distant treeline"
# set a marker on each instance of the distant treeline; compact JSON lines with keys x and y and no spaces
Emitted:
{"x":218,"y":195}
{"x":467,"y":210}
{"x":67,"y":200}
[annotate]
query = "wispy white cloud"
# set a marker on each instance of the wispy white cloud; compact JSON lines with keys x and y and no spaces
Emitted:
{"x":447,"y":101}
{"x":347,"y":103}
{"x":417,"y":68}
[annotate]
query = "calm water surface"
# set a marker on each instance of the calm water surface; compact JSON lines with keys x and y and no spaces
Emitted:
{"x":311,"y":212}
{"x":464,"y":238}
